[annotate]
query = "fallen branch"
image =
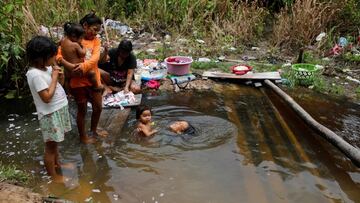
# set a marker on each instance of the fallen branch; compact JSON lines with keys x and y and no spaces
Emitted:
{"x":350,"y":151}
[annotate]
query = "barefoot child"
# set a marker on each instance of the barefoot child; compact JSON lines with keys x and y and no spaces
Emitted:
{"x":49,"y":98}
{"x":143,"y":115}
{"x":73,"y":51}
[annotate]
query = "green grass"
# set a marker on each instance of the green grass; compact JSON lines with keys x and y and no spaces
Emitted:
{"x":10,"y":174}
{"x":351,"y":57}
{"x":219,"y":66}
{"x":357,"y":91}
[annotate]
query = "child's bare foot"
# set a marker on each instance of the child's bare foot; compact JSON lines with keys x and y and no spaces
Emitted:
{"x":87,"y":140}
{"x":58,"y":179}
{"x":69,"y":166}
{"x":101,"y":133}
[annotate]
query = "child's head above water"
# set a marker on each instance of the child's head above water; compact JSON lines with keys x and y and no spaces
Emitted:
{"x":41,"y":51}
{"x":74,"y":31}
{"x":179,"y":126}
{"x":143,"y":114}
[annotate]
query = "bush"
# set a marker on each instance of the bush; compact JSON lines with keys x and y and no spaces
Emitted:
{"x":11,"y":43}
{"x":297,"y":26}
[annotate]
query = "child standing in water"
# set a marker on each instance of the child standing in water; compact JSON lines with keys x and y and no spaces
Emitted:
{"x":144,"y":127}
{"x":49,"y":98}
{"x":73,"y":51}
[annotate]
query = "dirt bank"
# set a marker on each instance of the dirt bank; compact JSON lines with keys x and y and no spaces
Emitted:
{"x":12,"y":193}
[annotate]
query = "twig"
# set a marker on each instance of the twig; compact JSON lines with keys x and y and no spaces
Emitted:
{"x":106,"y":34}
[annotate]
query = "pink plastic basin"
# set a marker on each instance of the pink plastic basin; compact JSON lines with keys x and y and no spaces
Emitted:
{"x":178,"y":65}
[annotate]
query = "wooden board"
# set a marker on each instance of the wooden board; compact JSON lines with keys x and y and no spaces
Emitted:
{"x":248,"y":76}
{"x":113,"y":120}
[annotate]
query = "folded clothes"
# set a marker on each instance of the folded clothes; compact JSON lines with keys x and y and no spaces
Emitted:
{"x":182,"y":79}
{"x":119,"y":100}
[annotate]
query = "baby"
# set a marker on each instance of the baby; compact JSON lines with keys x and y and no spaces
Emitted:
{"x":73,"y":52}
{"x":180,"y":127}
{"x":144,"y":127}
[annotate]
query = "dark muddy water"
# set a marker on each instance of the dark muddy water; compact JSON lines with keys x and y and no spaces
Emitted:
{"x":248,"y":146}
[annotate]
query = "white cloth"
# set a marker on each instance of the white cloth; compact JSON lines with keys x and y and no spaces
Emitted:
{"x":119,"y":100}
{"x":39,"y":80}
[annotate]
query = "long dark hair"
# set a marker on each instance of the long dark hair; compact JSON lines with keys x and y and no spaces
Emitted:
{"x":40,"y":47}
{"x":124,"y":46}
{"x":91,"y":19}
{"x":73,"y":30}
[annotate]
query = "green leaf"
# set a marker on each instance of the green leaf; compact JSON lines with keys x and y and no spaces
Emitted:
{"x":4,"y":59}
{"x":11,"y":94}
{"x":9,"y":8}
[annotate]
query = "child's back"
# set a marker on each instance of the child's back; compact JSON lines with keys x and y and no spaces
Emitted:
{"x":70,"y":46}
{"x":71,"y":51}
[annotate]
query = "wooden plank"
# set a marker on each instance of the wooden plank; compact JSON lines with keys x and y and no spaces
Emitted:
{"x":248,"y":76}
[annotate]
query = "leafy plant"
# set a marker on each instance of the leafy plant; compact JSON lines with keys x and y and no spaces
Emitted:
{"x":11,"y":174}
{"x":11,"y":51}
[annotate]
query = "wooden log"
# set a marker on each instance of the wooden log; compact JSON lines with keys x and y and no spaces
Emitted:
{"x":350,"y":151}
{"x":248,"y":76}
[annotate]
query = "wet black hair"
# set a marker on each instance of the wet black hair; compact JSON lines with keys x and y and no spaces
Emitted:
{"x":125,"y":46}
{"x":73,"y":30}
{"x":40,"y":47}
{"x":91,"y":19}
{"x":140,"y":109}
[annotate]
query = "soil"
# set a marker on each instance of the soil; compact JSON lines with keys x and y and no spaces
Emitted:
{"x":13,"y":193}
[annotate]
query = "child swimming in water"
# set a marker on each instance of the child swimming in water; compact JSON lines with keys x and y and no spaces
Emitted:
{"x":144,"y":127}
{"x":181,"y":127}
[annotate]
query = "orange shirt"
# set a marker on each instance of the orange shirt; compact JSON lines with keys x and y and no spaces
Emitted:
{"x":91,"y":62}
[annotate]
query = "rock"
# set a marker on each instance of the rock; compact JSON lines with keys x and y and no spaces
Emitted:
{"x":167,"y":37}
{"x":221,"y":58}
{"x":232,"y":48}
{"x":255,"y":48}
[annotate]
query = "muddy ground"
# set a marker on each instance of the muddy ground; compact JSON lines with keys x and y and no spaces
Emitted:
{"x":12,"y":193}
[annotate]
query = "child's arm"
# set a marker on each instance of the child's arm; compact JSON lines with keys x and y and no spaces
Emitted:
{"x":146,"y":130}
{"x":104,"y":57}
{"x":48,"y":93}
{"x":61,"y":78}
{"x":61,"y":61}
{"x":94,"y":59}
{"x":80,"y":51}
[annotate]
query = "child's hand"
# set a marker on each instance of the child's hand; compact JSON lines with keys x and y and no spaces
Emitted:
{"x":106,"y":46}
{"x":77,"y":71}
{"x":55,"y":72}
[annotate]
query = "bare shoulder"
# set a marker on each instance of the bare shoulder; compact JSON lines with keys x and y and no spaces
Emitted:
{"x":70,"y":44}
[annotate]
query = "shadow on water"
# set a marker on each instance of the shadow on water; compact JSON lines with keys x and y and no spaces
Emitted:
{"x":248,"y":146}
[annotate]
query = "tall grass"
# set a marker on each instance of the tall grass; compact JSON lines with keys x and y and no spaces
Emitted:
{"x":210,"y":19}
{"x":57,"y":12}
{"x":298,"y":25}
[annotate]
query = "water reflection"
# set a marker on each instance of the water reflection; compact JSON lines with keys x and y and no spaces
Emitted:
{"x":244,"y":150}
